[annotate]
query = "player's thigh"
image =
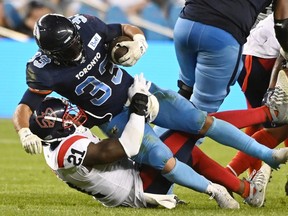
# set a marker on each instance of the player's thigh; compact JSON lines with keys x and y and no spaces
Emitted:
{"x":186,"y":37}
{"x":254,"y":78}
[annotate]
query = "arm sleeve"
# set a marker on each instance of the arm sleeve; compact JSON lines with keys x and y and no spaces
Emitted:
{"x":132,"y":135}
{"x":31,"y":99}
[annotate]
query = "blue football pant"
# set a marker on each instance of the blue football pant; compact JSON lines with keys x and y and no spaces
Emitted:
{"x":177,"y":113}
{"x":210,"y":62}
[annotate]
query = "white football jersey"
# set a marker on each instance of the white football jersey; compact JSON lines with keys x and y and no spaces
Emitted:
{"x":113,"y":184}
{"x":262,"y":41}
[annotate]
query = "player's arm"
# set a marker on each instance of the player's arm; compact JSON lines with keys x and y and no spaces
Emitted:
{"x":128,"y":145}
{"x":136,"y":48}
{"x":278,"y":65}
{"x":29,"y":102}
{"x":281,"y":22}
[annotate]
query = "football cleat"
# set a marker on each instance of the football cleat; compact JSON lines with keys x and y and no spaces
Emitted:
{"x":258,"y":184}
{"x":282,"y":81}
{"x":222,"y":197}
{"x":277,"y":99}
{"x":280,"y":156}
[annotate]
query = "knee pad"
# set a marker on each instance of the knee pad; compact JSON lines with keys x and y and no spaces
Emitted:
{"x":184,"y":90}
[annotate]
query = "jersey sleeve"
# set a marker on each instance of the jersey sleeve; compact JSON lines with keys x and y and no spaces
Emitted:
{"x":72,"y":152}
{"x":107,"y":31}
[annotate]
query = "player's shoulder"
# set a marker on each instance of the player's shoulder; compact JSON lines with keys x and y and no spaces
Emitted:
{"x":71,"y":151}
{"x":39,"y":61}
{"x":84,"y":20}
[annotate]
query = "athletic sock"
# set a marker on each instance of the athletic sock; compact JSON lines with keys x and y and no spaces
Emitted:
{"x":241,"y":161}
{"x":184,"y":175}
{"x":213,"y":171}
{"x":252,"y":129}
{"x":229,"y":135}
{"x":245,"y":118}
{"x":246,"y":192}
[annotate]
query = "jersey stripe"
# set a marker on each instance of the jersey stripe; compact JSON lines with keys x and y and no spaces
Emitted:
{"x":64,"y":148}
{"x":38,"y":91}
{"x":248,"y":67}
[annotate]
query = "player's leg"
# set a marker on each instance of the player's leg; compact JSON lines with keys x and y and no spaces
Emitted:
{"x":205,"y":63}
{"x":180,"y":144}
{"x":270,"y":137}
{"x":245,"y":118}
{"x":186,"y":54}
{"x":254,"y":81}
{"x":155,"y":153}
{"x":177,"y":113}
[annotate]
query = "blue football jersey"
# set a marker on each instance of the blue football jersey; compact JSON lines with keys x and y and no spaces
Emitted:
{"x":96,"y":85}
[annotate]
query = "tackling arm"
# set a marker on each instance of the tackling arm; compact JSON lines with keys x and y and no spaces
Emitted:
{"x":30,"y":142}
{"x":276,"y":68}
{"x":21,"y":117}
{"x":112,"y":149}
{"x":281,"y":22}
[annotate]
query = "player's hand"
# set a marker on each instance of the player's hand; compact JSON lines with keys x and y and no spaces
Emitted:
{"x":31,"y":143}
{"x":136,"y":49}
{"x":139,"y":104}
{"x":140,"y":85}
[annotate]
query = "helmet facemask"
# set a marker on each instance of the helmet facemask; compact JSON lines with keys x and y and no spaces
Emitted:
{"x":70,"y":54}
{"x":56,"y":119}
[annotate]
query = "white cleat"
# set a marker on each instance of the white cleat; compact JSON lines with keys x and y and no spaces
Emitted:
{"x":258,"y":184}
{"x":277,"y":99}
{"x":280,"y":156}
{"x":282,"y":81}
{"x":222,"y":197}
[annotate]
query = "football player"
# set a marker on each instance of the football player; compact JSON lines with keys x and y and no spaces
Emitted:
{"x":105,"y":170}
{"x":261,"y":65}
{"x":73,"y":61}
{"x":209,"y":36}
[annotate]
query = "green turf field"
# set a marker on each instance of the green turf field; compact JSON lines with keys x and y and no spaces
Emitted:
{"x":28,"y":187}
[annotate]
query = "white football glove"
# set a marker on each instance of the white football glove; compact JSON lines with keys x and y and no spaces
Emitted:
{"x":136,"y":49}
{"x":30,"y":142}
{"x":140,"y":85}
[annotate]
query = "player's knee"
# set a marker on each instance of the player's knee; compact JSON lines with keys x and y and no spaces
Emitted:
{"x":208,"y":122}
{"x":159,"y":156}
{"x":169,"y":165}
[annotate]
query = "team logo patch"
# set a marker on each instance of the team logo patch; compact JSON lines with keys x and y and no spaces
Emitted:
{"x":46,"y":123}
{"x":93,"y":43}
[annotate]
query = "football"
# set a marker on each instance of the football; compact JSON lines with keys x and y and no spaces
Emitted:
{"x":116,"y":51}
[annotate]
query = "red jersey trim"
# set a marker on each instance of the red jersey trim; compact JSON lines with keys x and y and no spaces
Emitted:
{"x":37,"y":91}
{"x":64,"y":148}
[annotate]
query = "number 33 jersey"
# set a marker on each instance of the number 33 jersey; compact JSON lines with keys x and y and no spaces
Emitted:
{"x":113,"y":184}
{"x":95,"y":84}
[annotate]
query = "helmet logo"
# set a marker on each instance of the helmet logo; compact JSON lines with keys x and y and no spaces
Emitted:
{"x":46,"y":123}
